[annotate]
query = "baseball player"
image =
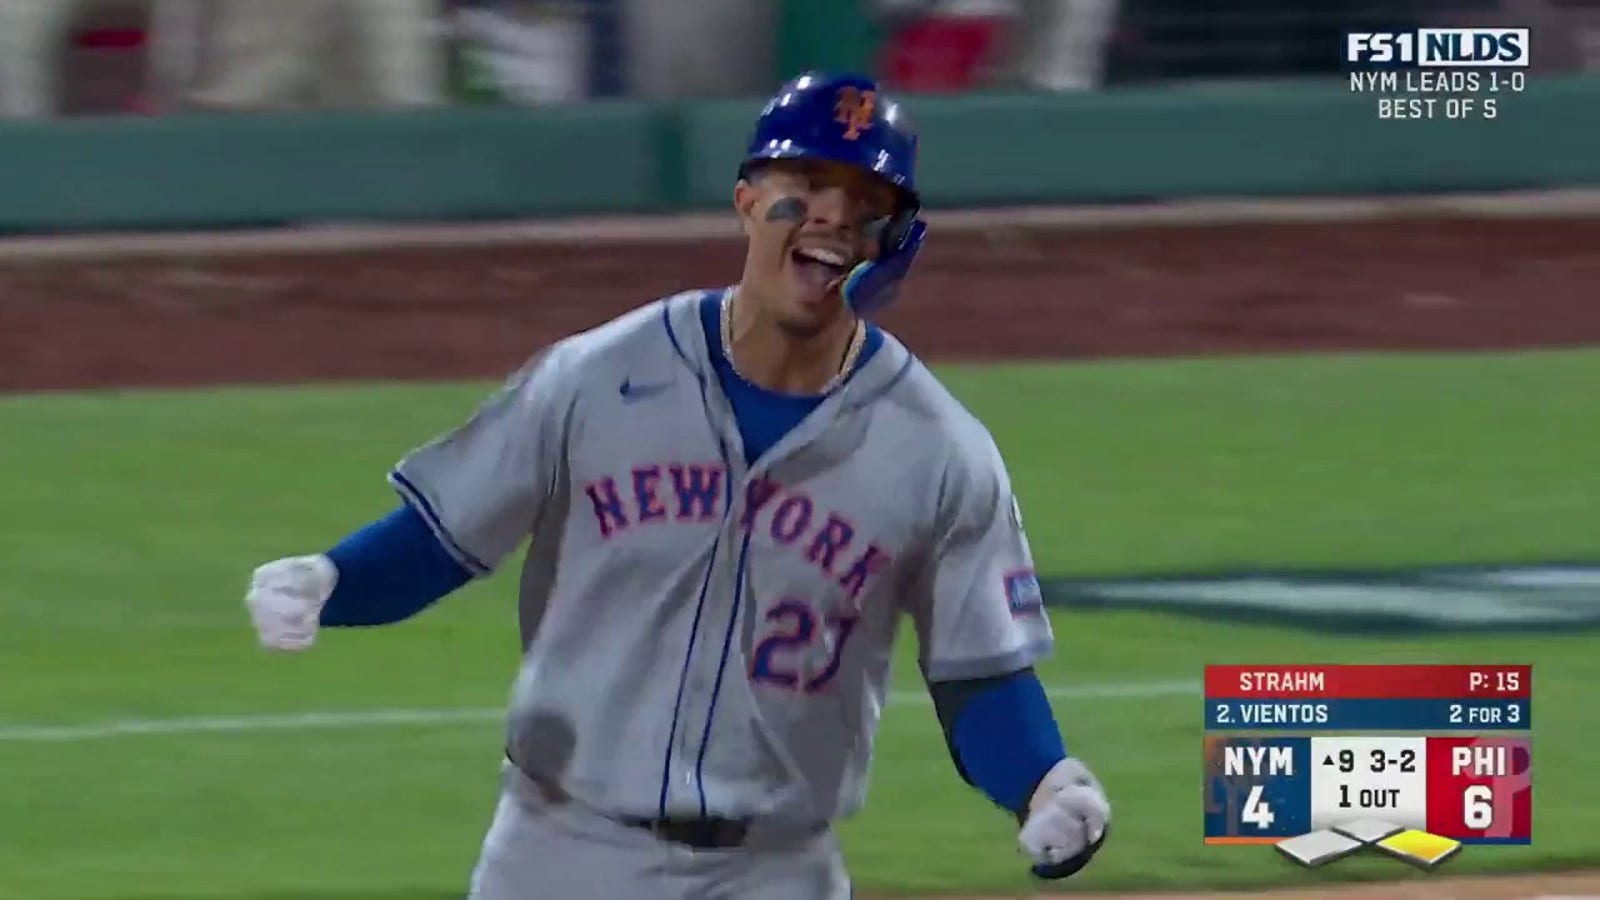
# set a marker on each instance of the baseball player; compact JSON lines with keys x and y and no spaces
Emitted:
{"x":731,"y":496}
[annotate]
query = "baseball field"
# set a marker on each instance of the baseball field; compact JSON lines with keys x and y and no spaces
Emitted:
{"x":1169,"y":399}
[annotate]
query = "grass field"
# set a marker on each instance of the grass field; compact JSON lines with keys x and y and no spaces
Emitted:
{"x":135,"y":518}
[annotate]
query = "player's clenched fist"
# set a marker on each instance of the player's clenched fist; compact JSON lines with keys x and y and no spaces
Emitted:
{"x":1067,"y":820}
{"x":286,"y":598}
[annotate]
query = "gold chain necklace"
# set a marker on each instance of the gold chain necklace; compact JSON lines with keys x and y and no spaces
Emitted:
{"x":853,"y":350}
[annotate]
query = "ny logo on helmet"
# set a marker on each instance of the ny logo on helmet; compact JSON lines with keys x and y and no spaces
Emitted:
{"x":854,"y":111}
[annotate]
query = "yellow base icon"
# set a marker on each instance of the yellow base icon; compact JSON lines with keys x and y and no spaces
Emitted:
{"x":1420,"y":848}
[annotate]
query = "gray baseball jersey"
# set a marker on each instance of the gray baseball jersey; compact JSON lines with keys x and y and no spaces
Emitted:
{"x":707,"y":637}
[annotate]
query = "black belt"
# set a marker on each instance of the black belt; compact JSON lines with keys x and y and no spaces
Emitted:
{"x":702,"y":834}
{"x":709,"y":833}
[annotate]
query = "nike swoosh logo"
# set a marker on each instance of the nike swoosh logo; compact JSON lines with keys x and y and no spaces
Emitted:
{"x":631,"y":391}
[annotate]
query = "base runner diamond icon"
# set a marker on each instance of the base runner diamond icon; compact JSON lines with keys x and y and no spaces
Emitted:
{"x":1318,"y":848}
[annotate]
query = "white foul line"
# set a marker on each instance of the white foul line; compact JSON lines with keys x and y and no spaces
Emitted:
{"x":374,"y":718}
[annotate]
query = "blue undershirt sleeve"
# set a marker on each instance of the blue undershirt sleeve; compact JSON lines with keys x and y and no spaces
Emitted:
{"x":1002,"y":734}
{"x":390,"y":570}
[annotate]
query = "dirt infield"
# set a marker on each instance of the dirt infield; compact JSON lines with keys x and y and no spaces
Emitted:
{"x":1442,"y":283}
{"x":479,"y":311}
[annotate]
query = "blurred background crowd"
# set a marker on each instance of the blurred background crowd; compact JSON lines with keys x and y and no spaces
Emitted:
{"x":74,"y":57}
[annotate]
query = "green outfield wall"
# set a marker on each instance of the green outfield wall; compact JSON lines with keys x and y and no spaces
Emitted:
{"x":1126,"y":144}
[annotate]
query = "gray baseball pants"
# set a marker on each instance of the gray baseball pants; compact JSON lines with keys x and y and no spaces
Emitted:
{"x":538,"y":847}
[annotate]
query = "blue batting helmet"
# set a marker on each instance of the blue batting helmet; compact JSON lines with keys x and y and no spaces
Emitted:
{"x":842,"y":118}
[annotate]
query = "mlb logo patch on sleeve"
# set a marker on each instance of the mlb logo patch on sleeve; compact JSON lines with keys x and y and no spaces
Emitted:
{"x":1023,"y":593}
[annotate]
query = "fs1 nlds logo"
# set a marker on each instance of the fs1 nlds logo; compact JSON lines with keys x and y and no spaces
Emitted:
{"x":1438,"y":48}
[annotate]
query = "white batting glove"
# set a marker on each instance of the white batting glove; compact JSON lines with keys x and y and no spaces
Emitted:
{"x":1067,"y":820}
{"x":286,"y":598}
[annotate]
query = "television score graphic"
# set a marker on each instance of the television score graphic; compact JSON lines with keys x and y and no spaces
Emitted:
{"x":1411,"y":761}
{"x":1438,"y":73}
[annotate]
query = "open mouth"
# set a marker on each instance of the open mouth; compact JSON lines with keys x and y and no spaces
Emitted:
{"x":819,"y":266}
